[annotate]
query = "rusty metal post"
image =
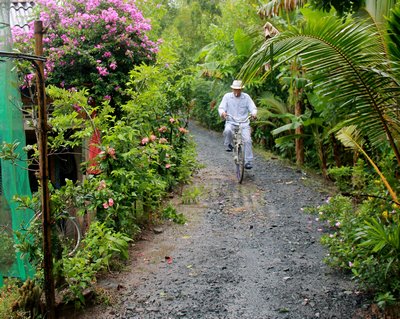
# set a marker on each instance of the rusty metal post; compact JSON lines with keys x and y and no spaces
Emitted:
{"x":44,"y":177}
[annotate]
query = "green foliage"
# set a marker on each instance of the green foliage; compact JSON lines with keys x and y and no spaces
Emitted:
{"x":9,"y":295}
{"x":7,"y":249}
{"x":191,"y":195}
{"x":350,"y":179}
{"x":206,"y":104}
{"x":171,"y":213}
{"x":394,"y":33}
{"x":342,"y":177}
{"x":385,"y":299}
{"x":365,"y":240}
{"x":342,"y":7}
{"x":100,"y":247}
{"x":334,"y":52}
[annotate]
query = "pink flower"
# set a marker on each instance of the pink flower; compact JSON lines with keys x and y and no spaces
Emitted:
{"x":102,"y":70}
{"x":110,"y":202}
{"x":163,"y":140}
{"x":171,"y":120}
{"x":102,"y":185}
{"x":167,"y":166}
{"x":107,"y":54}
{"x":105,"y":205}
{"x":153,"y":137}
{"x":113,"y":65}
{"x":77,"y":108}
{"x":162,"y":129}
{"x":183,"y":130}
{"x":337,"y":224}
{"x":111,"y":152}
{"x":328,"y":199}
{"x":145,"y":140}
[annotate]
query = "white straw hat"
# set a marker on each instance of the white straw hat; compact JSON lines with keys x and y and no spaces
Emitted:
{"x":237,"y":85}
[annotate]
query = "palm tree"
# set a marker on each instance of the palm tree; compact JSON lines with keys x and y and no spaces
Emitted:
{"x":348,"y":63}
{"x":378,"y":9}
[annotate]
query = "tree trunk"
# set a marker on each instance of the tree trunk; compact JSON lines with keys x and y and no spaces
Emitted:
{"x":299,"y":131}
{"x":336,"y":151}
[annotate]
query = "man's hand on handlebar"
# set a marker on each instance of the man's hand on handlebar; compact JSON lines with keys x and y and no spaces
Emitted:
{"x":224,"y":115}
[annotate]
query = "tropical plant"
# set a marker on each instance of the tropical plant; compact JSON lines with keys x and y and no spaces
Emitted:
{"x":351,"y":138}
{"x":352,"y":66}
{"x":346,"y":62}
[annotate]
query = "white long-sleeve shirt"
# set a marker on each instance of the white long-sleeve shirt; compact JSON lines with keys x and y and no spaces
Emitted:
{"x":237,"y":107}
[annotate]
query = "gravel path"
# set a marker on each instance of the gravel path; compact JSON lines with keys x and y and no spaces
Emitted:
{"x":247,"y":252}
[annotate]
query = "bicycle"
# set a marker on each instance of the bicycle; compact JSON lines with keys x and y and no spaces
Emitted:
{"x":66,"y":229}
{"x":238,"y":147}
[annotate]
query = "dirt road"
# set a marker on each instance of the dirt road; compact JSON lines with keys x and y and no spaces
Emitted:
{"x":247,"y":252}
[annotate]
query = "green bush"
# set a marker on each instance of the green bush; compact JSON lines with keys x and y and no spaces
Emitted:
{"x":365,"y":240}
{"x":342,"y":177}
{"x":101,"y":246}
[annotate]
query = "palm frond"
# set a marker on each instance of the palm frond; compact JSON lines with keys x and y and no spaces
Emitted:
{"x":274,"y":104}
{"x":394,"y":33}
{"x":347,"y":64}
{"x":350,"y":137}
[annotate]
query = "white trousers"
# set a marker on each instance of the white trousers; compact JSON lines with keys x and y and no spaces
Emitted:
{"x":246,"y":138}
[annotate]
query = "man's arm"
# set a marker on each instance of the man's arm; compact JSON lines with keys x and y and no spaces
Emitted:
{"x":252,"y":108}
{"x":223,"y":107}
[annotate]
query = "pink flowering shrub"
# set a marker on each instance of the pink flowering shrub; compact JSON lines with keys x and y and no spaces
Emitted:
{"x":90,"y":43}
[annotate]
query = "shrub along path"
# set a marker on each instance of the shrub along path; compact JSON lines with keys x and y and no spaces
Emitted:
{"x":247,"y":252}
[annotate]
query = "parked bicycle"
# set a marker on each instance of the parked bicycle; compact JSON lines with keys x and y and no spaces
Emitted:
{"x":66,"y":230}
{"x":238,"y":147}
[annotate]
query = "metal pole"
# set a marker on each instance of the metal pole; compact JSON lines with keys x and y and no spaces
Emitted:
{"x":44,"y":177}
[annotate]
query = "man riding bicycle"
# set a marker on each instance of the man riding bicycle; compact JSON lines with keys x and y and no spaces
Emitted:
{"x":236,"y":106}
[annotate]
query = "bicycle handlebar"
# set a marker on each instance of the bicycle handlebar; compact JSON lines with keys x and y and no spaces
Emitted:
{"x":238,"y":120}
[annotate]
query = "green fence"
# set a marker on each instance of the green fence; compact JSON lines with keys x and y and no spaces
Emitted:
{"x":13,"y":178}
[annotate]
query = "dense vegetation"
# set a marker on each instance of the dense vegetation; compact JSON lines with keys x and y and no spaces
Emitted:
{"x":325,"y":85}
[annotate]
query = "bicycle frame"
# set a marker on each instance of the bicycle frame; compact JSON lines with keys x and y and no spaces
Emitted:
{"x":238,"y":147}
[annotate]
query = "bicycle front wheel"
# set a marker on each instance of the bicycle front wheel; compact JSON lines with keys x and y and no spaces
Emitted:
{"x":240,"y":163}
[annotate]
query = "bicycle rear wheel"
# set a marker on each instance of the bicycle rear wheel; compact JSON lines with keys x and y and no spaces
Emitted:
{"x":240,"y":163}
{"x":66,"y":233}
{"x":69,"y":234}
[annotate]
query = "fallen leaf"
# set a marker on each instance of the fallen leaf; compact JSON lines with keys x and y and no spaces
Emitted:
{"x":283,"y":310}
